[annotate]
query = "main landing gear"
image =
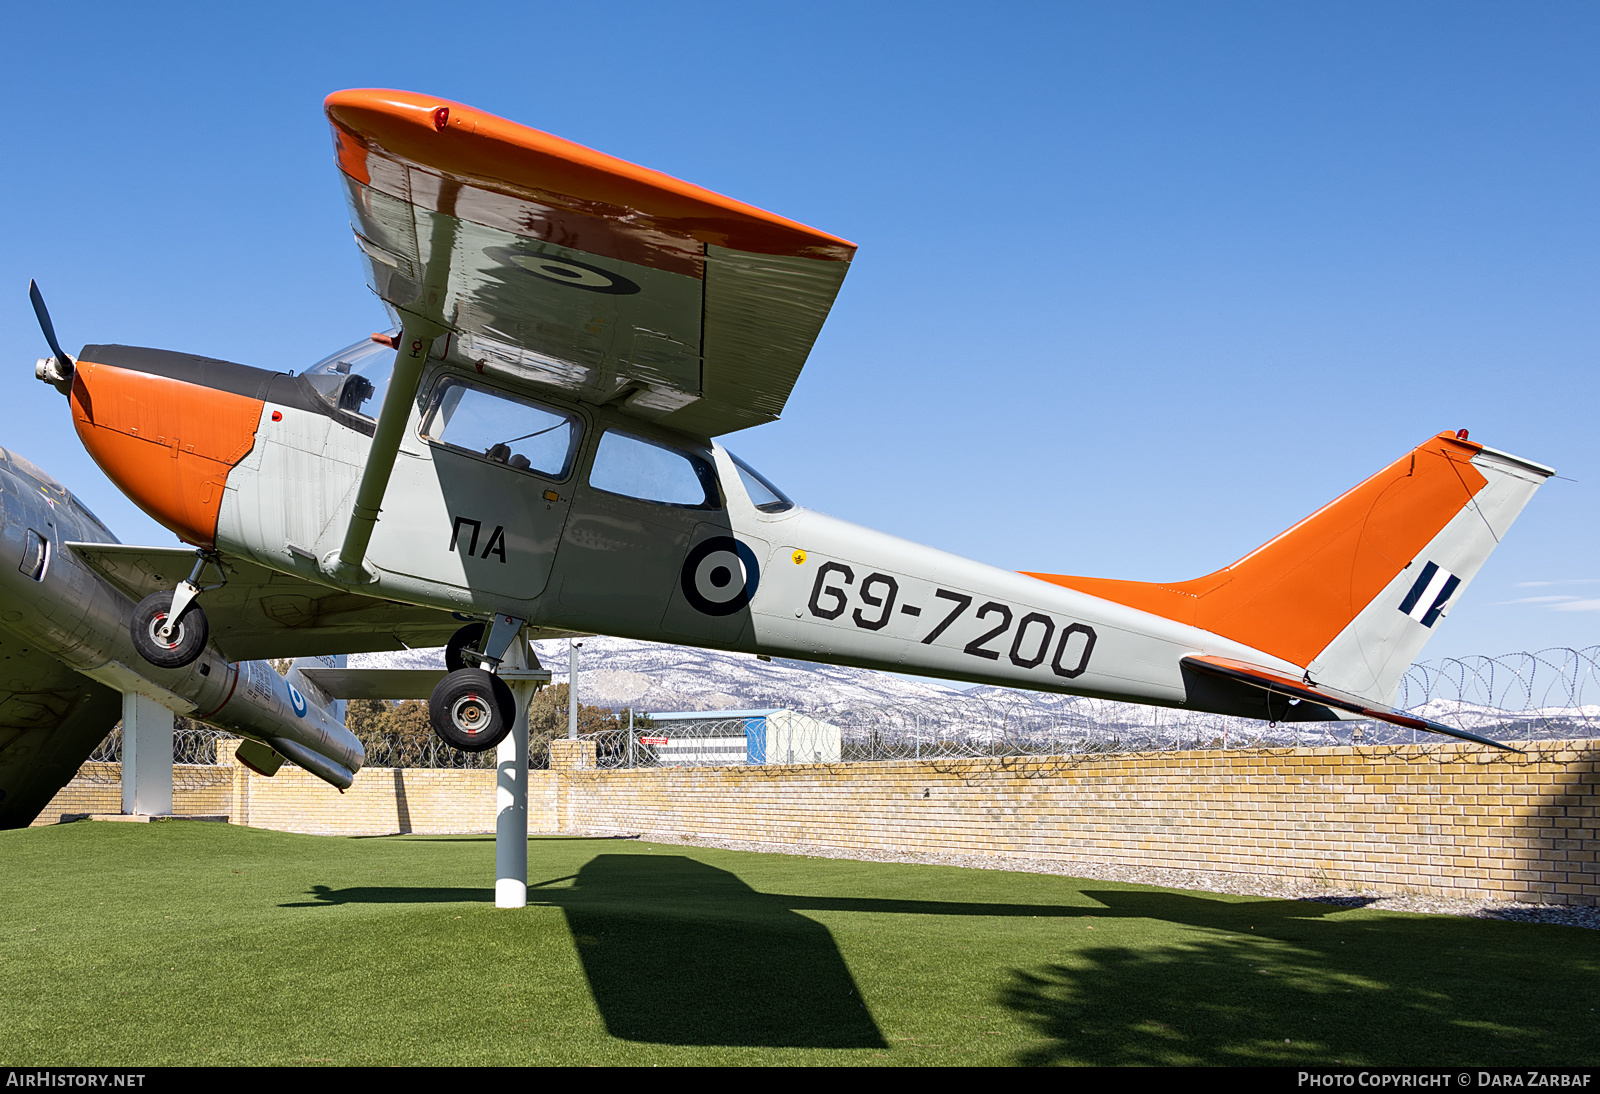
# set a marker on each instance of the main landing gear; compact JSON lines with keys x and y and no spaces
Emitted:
{"x":170,"y":630}
{"x":471,"y":708}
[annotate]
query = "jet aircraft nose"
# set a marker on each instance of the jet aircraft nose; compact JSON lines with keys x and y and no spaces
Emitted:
{"x":166,"y":441}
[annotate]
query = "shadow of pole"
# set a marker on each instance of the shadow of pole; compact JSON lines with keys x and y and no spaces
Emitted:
{"x":402,"y":806}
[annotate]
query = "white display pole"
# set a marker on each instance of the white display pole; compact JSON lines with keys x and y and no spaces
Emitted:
{"x":146,"y":756}
{"x":520,"y":670}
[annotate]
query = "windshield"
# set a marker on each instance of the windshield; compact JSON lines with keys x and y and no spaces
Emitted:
{"x":763,"y":495}
{"x":355,"y":378}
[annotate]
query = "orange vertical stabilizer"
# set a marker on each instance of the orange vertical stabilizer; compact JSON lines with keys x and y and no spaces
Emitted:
{"x":1291,"y":596}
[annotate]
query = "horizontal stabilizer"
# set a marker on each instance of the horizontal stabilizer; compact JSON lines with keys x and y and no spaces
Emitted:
{"x":1287,"y":686}
{"x":376,"y":683}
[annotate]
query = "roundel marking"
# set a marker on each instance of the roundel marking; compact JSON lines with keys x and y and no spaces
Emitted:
{"x":580,"y":275}
{"x":297,"y":701}
{"x":720,"y":576}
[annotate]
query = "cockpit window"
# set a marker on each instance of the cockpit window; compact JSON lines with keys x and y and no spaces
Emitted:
{"x":637,"y":468}
{"x":501,"y":429}
{"x":355,"y":378}
{"x":763,"y":495}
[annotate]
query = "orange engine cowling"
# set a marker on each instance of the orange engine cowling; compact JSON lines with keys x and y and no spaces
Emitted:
{"x":168,"y":444}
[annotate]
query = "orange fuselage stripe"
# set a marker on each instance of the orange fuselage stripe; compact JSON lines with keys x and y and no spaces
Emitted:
{"x":1291,"y":597}
{"x":168,"y":445}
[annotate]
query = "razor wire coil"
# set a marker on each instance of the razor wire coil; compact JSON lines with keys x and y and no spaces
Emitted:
{"x":1549,"y":695}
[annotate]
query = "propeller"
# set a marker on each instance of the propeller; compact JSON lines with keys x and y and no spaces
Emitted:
{"x":56,"y":371}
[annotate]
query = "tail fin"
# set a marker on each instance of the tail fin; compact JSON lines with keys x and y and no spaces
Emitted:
{"x":1353,"y":592}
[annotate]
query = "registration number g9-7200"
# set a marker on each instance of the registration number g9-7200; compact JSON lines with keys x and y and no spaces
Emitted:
{"x":1035,"y":637}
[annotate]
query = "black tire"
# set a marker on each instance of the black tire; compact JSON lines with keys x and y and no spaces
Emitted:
{"x":188,"y":639}
{"x":467,"y":637}
{"x":472,"y":710}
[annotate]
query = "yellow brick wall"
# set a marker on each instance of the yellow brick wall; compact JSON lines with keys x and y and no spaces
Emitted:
{"x":1454,"y":821}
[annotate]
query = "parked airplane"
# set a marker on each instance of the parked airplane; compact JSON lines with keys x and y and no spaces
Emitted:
{"x":67,"y":656}
{"x":533,"y":447}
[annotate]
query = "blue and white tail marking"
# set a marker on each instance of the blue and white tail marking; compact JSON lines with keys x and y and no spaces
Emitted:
{"x":1428,"y":596}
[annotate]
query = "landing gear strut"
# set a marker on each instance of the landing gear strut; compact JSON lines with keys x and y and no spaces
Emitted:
{"x":473,"y":709}
{"x":170,"y":630}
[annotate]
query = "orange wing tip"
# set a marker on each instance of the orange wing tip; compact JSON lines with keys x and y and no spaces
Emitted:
{"x":499,"y":154}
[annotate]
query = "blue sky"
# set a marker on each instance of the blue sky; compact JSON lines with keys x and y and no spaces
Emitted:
{"x":1139,"y":286}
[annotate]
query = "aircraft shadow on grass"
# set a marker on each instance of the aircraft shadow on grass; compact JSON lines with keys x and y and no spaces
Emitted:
{"x":679,"y":952}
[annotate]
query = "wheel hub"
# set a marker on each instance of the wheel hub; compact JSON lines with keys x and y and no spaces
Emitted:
{"x":155,"y":632}
{"x":470,"y":715}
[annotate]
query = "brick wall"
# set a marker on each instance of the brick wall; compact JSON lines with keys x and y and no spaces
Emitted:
{"x":1451,"y":821}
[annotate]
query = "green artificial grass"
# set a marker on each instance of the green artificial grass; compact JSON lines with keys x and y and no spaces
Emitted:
{"x":190,"y":943}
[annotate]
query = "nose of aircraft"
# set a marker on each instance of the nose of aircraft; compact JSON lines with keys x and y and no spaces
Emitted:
{"x":167,"y":443}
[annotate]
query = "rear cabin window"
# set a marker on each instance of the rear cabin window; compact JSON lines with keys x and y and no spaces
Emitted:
{"x":493,"y":426}
{"x":763,"y":495}
{"x":637,"y":468}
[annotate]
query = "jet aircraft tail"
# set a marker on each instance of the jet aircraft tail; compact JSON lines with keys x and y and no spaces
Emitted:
{"x":1353,"y":592}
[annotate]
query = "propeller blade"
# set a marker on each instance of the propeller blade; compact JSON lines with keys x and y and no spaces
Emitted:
{"x":44,"y":322}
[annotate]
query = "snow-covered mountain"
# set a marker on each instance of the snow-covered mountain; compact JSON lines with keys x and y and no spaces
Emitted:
{"x":619,"y":672}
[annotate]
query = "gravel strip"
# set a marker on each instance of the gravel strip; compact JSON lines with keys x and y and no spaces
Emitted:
{"x":1210,"y":881}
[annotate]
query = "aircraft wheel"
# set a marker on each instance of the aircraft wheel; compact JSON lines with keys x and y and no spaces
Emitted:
{"x":467,"y":637}
{"x":188,"y":639}
{"x":472,"y":710}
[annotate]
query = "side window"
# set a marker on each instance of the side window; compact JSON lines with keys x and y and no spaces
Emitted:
{"x":637,"y":468}
{"x":521,"y":435}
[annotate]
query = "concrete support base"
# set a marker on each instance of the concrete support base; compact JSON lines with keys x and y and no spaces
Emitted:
{"x":143,"y":818}
{"x":146,"y":756}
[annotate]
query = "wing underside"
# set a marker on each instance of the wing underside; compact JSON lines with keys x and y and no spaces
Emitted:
{"x":261,"y":613}
{"x":555,"y":266}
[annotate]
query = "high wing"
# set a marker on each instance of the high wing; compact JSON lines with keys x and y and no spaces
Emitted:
{"x":261,"y":613}
{"x":552,"y":265}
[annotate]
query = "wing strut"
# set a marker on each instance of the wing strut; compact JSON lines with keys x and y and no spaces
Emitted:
{"x":416,"y":336}
{"x":417,"y":333}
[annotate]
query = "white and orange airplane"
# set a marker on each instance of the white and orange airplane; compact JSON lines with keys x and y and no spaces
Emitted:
{"x":534,"y":448}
